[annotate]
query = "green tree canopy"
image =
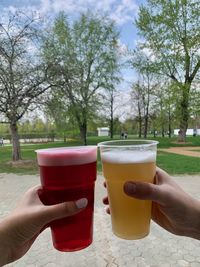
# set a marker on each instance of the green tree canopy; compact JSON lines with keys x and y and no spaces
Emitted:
{"x":83,"y":60}
{"x":171,"y":32}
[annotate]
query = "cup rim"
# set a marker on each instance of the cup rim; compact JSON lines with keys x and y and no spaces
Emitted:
{"x":141,"y":142}
{"x":64,"y":147}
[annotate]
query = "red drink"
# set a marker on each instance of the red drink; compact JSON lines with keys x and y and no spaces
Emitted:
{"x":69,"y":174}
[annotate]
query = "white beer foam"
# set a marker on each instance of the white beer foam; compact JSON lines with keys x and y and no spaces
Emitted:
{"x":128,"y":156}
{"x":65,"y":156}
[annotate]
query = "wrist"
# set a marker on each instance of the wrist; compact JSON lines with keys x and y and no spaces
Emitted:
{"x":4,"y":259}
{"x":4,"y":249}
{"x":194,"y":230}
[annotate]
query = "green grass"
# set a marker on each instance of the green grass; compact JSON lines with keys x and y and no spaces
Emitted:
{"x":172,"y":163}
{"x":178,"y":164}
{"x":173,"y":142}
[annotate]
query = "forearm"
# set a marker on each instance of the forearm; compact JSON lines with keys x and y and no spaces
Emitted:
{"x":4,"y":248}
{"x":3,"y":256}
{"x":194,"y":221}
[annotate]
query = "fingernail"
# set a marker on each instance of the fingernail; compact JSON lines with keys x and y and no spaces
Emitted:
{"x":81,"y":203}
{"x":130,"y":188}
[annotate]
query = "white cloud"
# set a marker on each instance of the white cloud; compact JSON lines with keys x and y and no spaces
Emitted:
{"x":121,"y":11}
{"x":45,"y":6}
{"x":105,"y":5}
{"x":122,"y":48}
{"x":146,"y":50}
{"x":124,"y":11}
{"x":123,"y":105}
{"x":12,"y":9}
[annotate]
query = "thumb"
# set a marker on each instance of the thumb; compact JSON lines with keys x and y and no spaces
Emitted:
{"x":145,"y":191}
{"x":63,"y":210}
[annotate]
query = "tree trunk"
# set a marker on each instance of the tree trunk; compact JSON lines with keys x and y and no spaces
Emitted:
{"x":111,"y":128}
{"x":111,"y":116}
{"x":146,"y":125}
{"x":83,"y":133}
{"x":140,"y":128}
{"x":154,"y":133}
{"x":111,"y":125}
{"x":64,"y":138}
{"x":146,"y":116}
{"x":184,"y":113}
{"x":163,"y":131}
{"x":16,"y":151}
{"x":139,"y":120}
{"x":169,"y":125}
{"x":169,"y":130}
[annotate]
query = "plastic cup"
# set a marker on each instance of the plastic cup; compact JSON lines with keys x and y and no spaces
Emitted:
{"x":67,"y":174}
{"x":128,"y":160}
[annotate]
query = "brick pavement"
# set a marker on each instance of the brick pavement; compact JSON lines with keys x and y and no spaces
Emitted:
{"x":159,"y":249}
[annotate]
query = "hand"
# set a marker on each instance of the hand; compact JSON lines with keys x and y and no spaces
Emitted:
{"x":172,"y":208}
{"x":19,"y":230}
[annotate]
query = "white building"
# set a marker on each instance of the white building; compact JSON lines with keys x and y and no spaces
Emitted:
{"x":189,"y":132}
{"x":103,"y":131}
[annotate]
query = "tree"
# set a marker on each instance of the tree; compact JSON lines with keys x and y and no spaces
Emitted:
{"x":22,"y":76}
{"x":58,"y":108}
{"x":81,"y":56}
{"x":142,"y":61}
{"x":138,"y":105}
{"x":171,"y":31}
{"x":143,"y":89}
{"x":164,"y":107}
{"x":110,"y":104}
{"x":195,"y":107}
{"x":30,"y":126}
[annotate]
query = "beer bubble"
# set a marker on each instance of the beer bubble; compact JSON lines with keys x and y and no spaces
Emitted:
{"x":128,"y":156}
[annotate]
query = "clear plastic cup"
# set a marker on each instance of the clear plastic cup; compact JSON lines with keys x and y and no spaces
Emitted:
{"x":128,"y":160}
{"x":66,"y":174}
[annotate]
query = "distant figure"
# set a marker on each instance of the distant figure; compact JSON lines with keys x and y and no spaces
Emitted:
{"x":122,"y":135}
{"x":125,"y":135}
{"x":1,"y":142}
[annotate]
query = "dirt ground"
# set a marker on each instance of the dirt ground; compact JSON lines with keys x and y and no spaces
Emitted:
{"x":187,"y":151}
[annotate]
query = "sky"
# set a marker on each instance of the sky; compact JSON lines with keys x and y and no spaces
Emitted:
{"x":123,"y":12}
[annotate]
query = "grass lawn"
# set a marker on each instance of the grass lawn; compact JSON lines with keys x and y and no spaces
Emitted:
{"x":172,"y":163}
{"x":178,"y":164}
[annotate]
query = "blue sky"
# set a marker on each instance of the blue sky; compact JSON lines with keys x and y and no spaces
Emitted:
{"x":123,"y":12}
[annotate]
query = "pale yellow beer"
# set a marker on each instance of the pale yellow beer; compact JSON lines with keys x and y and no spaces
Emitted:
{"x":130,"y":217}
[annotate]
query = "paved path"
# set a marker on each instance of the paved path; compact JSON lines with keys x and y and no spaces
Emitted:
{"x":159,"y":249}
{"x":186,"y":151}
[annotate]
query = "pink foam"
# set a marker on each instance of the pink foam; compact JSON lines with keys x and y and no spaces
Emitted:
{"x":64,"y":156}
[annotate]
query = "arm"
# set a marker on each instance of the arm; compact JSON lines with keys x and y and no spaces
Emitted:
{"x":173,"y":209}
{"x":19,"y":230}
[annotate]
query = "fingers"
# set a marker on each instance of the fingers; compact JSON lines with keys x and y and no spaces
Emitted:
{"x":32,"y":193}
{"x":105,"y":201}
{"x":54,"y":212}
{"x":163,"y":177}
{"x":108,"y":210}
{"x":158,"y":192}
{"x":145,"y":191}
{"x":63,"y":210}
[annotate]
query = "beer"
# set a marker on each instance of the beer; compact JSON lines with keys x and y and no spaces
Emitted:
{"x":130,"y":217}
